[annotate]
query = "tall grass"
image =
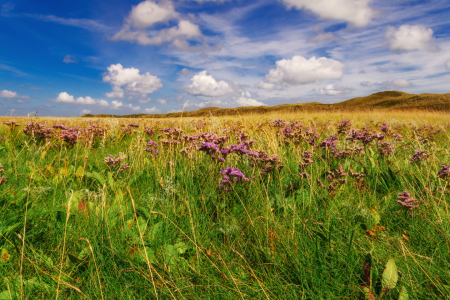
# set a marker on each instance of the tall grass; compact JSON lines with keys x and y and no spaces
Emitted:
{"x":73,"y":227}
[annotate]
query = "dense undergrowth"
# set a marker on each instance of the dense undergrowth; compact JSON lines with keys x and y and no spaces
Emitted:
{"x":156,"y":210}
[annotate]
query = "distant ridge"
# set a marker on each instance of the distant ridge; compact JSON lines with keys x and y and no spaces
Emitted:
{"x":389,"y":100}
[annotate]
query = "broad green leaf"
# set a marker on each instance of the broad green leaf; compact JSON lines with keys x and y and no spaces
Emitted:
{"x":403,"y":294}
{"x":368,"y":295}
{"x":80,"y":172}
{"x":110,"y":180}
{"x":64,"y":171}
{"x":171,"y":254}
{"x":142,"y":225}
{"x":5,"y":257}
{"x":390,"y":275}
{"x":150,"y":255}
{"x":99,"y":178}
{"x":375,"y":217}
{"x":119,"y":197}
{"x":6,"y":295}
{"x":181,"y":247}
{"x":43,"y":154}
{"x":74,"y":259}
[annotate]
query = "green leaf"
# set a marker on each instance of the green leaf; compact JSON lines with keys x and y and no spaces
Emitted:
{"x":4,"y":258}
{"x":142,"y":225}
{"x":181,"y":247}
{"x":74,"y":259}
{"x":80,"y":172}
{"x":110,"y":180}
{"x":171,"y":254}
{"x":96,"y":176}
{"x":368,"y":295}
{"x":403,"y":294}
{"x":150,"y":255}
{"x":5,"y":295}
{"x":390,"y":275}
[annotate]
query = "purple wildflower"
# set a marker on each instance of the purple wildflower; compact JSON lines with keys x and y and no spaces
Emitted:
{"x":231,"y":176}
{"x":114,"y":162}
{"x":408,"y":202}
{"x":444,"y":173}
{"x":420,"y":155}
{"x":386,"y":148}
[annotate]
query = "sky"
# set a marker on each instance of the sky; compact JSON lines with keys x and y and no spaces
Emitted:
{"x":69,"y":58}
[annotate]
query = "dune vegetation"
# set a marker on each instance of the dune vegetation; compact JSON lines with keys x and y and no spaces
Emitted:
{"x":300,"y":205}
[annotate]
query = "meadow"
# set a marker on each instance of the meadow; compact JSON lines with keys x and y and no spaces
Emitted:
{"x":323,"y":205}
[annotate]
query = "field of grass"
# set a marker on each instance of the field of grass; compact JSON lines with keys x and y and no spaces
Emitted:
{"x":320,"y":206}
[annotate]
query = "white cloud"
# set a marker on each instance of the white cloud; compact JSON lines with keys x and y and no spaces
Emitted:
{"x":335,"y":90}
{"x":204,"y":84}
{"x":396,"y":83}
{"x":70,"y":59}
{"x":410,"y":38}
{"x":162,"y":101}
{"x":447,"y":64}
{"x":324,"y":36}
{"x":64,"y":97}
{"x":8,"y":94}
{"x":85,"y":111}
{"x":129,"y":81}
{"x":357,"y":12}
{"x":246,"y":100}
{"x":148,"y":13}
{"x":299,"y":70}
{"x":152,"y":110}
{"x":143,"y":101}
{"x":136,"y":108}
{"x":87,"y":24}
{"x":116,"y":104}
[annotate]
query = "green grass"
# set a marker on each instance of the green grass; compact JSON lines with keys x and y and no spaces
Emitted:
{"x":76,"y":229}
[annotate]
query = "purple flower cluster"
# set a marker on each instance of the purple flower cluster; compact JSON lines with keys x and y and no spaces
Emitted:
{"x":111,"y":161}
{"x":69,"y":136}
{"x":38,"y":131}
{"x":336,"y":179}
{"x":231,"y":176}
{"x":307,"y":159}
{"x":444,"y":173}
{"x":344,"y":126}
{"x":3,"y":178}
{"x":386,"y":148}
{"x":149,"y":131}
{"x":329,"y":143}
{"x":420,"y":155}
{"x":364,"y":135}
{"x":151,"y":148}
{"x":405,"y":200}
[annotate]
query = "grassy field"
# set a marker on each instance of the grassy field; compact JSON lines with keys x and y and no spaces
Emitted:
{"x":277,"y":206}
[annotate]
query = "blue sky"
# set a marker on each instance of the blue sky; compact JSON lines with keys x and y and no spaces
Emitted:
{"x":66,"y":58}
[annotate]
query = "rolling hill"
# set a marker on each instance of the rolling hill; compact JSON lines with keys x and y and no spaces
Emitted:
{"x":389,"y":100}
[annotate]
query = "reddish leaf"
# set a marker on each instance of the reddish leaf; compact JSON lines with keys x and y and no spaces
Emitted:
{"x":83,"y":208}
{"x":366,"y":269}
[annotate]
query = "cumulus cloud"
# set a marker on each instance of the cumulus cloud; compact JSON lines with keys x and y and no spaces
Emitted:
{"x":129,"y":81}
{"x":396,"y":83}
{"x":335,"y":90}
{"x":70,"y":59}
{"x":64,"y":97}
{"x":299,"y":70}
{"x":447,"y":64}
{"x":410,"y":38}
{"x":356,"y":12}
{"x":143,"y":101}
{"x":116,"y":104}
{"x":162,"y":101}
{"x":246,"y":100}
{"x":85,"y":111}
{"x":8,"y":94}
{"x":152,"y":110}
{"x":148,"y":13}
{"x":204,"y":84}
